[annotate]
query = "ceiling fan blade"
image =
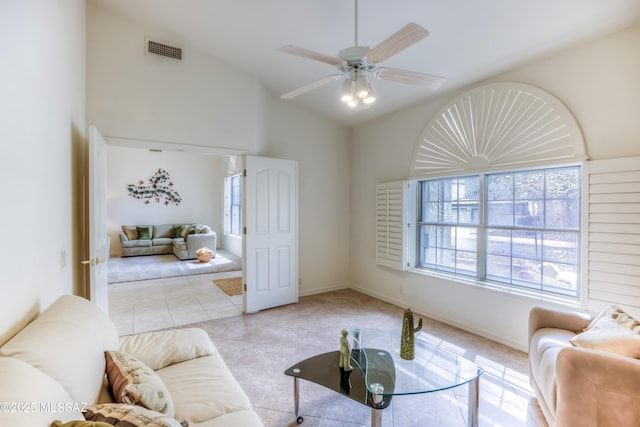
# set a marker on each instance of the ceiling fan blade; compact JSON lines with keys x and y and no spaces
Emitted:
{"x":402,"y":39}
{"x":306,"y":53}
{"x":409,"y":77}
{"x":311,"y":86}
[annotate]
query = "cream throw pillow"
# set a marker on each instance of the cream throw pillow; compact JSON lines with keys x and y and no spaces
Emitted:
{"x":613,"y":331}
{"x":135,"y":383}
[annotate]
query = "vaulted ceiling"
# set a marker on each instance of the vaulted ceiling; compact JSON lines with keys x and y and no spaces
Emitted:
{"x":469,"y":40}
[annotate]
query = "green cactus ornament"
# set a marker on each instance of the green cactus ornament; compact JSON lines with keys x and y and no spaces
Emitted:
{"x":407,"y":344}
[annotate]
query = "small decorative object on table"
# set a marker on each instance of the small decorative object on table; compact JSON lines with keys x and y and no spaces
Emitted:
{"x":204,"y":254}
{"x":407,"y":342}
{"x":345,"y":362}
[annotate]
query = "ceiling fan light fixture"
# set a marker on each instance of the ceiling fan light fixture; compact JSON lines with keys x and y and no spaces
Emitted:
{"x":347,"y":91}
{"x":369,"y":99}
{"x":362,"y":87}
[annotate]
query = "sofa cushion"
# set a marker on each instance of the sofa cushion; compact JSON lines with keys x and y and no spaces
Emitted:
{"x":136,"y":244}
{"x":544,"y":347}
{"x":144,"y":233}
{"x":244,"y":417}
{"x":203,"y":388}
{"x":67,"y":342}
{"x":163,"y":348}
{"x":162,"y":241}
{"x":613,"y":331}
{"x":177,"y":230}
{"x":123,"y":415}
{"x":135,"y":383}
{"x":22,"y":384}
{"x":163,"y":231}
{"x":130,"y":231}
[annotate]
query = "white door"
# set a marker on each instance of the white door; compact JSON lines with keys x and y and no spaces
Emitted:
{"x":98,"y":237}
{"x":270,"y":244}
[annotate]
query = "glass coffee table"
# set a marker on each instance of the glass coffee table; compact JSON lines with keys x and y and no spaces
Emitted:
{"x":379,"y":373}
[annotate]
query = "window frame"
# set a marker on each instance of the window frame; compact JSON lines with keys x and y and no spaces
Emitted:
{"x":480,"y":277}
{"x":229,"y":205}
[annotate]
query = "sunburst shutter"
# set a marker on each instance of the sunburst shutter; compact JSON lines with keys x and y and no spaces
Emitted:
{"x":498,"y":126}
{"x":391,"y":225}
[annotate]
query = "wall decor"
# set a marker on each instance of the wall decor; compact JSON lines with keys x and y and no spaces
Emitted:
{"x":159,"y":189}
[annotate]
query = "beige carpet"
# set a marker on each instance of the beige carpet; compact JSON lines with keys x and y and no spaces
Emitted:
{"x":231,"y":286}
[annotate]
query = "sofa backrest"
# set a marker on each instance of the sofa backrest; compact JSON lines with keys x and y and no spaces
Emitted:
{"x":67,"y":342}
{"x":164,"y":231}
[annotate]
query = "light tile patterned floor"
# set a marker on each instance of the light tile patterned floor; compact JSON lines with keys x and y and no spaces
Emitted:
{"x":155,"y":304}
{"x":259,"y":347}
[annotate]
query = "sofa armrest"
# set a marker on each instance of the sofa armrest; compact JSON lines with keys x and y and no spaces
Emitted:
{"x":543,"y":317}
{"x":163,"y":348}
{"x":197,"y":241}
{"x":595,"y":388}
{"x":123,"y":237}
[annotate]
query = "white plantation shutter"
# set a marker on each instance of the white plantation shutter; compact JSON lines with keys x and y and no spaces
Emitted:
{"x":391,"y":225}
{"x":613,"y":267}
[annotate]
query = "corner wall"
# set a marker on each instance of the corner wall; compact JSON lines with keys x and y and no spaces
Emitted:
{"x":42,"y":100}
{"x":598,"y":82}
{"x":201,"y":101}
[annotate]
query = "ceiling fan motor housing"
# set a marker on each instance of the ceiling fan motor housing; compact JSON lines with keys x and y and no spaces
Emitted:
{"x":355,"y":58}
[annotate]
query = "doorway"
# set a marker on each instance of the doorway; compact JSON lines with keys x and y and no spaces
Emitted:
{"x":149,"y":301}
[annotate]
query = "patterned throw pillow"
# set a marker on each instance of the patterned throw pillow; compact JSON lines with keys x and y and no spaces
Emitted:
{"x":124,"y":415}
{"x":135,"y":383}
{"x":177,"y":231}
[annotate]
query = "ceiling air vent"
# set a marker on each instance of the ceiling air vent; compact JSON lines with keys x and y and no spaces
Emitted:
{"x":161,"y":48}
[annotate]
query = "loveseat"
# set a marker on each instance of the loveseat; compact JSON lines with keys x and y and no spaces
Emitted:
{"x":183,"y":240}
{"x":584,"y":369}
{"x":58,"y":368}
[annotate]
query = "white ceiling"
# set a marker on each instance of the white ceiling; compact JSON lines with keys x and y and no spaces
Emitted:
{"x":469,"y":40}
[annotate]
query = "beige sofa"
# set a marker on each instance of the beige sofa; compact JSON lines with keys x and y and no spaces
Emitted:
{"x":578,"y":386}
{"x":54,"y":369}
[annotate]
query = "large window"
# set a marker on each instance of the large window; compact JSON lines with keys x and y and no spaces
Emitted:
{"x":233,"y":205}
{"x":518,"y":228}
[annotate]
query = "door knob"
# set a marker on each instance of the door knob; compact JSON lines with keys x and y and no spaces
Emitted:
{"x":92,"y":262}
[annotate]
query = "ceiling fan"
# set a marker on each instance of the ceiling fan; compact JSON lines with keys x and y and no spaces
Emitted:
{"x":357,"y":62}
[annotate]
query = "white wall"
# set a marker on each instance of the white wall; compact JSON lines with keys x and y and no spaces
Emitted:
{"x":139,"y":96}
{"x":42,"y":96}
{"x":599,"y":82}
{"x":196,"y":177}
{"x":204,"y":102}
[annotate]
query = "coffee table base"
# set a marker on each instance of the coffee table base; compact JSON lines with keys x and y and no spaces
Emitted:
{"x":376,"y":414}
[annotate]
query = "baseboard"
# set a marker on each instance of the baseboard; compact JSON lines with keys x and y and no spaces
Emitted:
{"x":315,"y":291}
{"x":435,"y":316}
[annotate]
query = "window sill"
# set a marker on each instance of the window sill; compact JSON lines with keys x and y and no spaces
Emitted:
{"x":569,"y":302}
{"x":233,"y":236}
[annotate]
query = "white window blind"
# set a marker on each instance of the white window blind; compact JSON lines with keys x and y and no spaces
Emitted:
{"x":391,"y":225}
{"x":613,"y":266}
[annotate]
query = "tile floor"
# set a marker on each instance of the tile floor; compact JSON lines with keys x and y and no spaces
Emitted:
{"x":155,"y":304}
{"x":259,"y":347}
